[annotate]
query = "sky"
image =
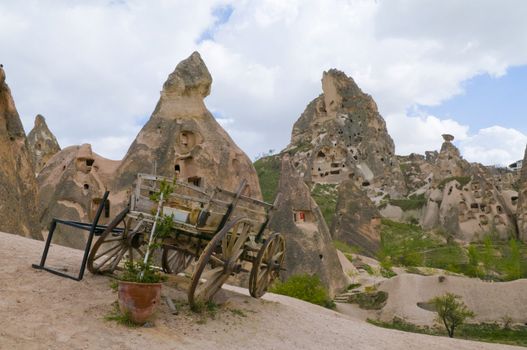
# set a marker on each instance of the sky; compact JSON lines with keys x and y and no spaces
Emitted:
{"x":94,"y":68}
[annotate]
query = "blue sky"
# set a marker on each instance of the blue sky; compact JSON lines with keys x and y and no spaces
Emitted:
{"x":94,"y":69}
{"x":488,"y":101}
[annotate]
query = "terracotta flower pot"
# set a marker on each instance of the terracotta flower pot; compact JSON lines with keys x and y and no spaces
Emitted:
{"x":138,"y":300}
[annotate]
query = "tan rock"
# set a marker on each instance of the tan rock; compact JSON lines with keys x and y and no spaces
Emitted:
{"x":42,"y":143}
{"x":341,"y":135}
{"x":183,"y":138}
{"x":309,"y":248}
{"x":18,"y":189}
{"x":521,"y":212}
{"x":357,"y":220}
{"x":71,"y":187}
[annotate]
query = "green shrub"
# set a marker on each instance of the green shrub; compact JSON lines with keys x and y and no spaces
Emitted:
{"x":370,"y":300}
{"x":304,"y":287}
{"x":326,"y":197}
{"x":411,"y":203}
{"x":268,"y":170}
{"x":451,"y":311}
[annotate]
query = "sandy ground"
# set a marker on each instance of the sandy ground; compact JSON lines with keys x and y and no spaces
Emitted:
{"x":39,"y":310}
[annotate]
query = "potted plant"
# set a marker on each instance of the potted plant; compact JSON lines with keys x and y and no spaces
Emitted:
{"x":139,"y":290}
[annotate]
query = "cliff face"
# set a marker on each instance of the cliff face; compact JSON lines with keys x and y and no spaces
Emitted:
{"x":183,"y":139}
{"x":341,"y":135}
{"x":42,"y":143}
{"x":468,"y":200}
{"x":18,"y":190}
{"x":309,"y":248}
{"x":522,"y":201}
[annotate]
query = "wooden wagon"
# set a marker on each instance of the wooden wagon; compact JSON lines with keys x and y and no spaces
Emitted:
{"x":224,"y":232}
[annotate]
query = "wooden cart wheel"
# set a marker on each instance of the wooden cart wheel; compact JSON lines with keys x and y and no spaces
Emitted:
{"x":174,"y":260}
{"x":224,"y":254}
{"x":267,"y":265}
{"x":111,"y":247}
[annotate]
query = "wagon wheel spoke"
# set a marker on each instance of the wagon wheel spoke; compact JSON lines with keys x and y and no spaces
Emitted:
{"x":231,"y":243}
{"x":211,"y":281}
{"x":174,"y":260}
{"x":267,"y":265}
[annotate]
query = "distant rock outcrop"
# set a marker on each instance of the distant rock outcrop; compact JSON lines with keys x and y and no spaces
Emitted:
{"x":18,"y":190}
{"x":521,"y":212}
{"x":42,"y":143}
{"x":71,"y":186}
{"x":182,"y":138}
{"x":357,"y":220}
{"x":467,"y":200}
{"x":308,"y":241}
{"x":341,"y":135}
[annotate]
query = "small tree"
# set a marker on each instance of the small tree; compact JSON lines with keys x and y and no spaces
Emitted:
{"x":451,"y":311}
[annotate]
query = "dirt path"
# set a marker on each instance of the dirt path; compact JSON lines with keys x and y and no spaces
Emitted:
{"x":39,"y":310}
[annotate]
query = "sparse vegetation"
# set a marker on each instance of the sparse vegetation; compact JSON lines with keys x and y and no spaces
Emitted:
{"x":117,"y":316}
{"x":451,"y":311}
{"x":304,"y":287}
{"x":268,"y":169}
{"x":487,"y":332}
{"x":411,"y":203}
{"x":370,"y":300}
{"x":462,"y":180}
{"x":408,"y":245}
{"x":326,"y":197}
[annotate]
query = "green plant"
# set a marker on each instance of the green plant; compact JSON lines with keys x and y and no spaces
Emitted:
{"x":268,"y":170}
{"x":353,"y":286}
{"x":451,"y":311}
{"x":415,"y":201}
{"x":387,"y":273}
{"x":370,"y":300}
{"x":368,"y":269}
{"x":512,"y":263}
{"x":304,"y":287}
{"x":138,"y":271}
{"x":117,"y":316}
{"x":238,"y":312}
{"x":326,"y":197}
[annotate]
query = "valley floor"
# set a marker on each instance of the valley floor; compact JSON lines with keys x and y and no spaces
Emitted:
{"x":39,"y":310}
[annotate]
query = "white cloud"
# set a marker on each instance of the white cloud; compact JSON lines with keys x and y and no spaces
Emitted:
{"x":94,"y":68}
{"x":424,"y":132}
{"x":494,"y":145}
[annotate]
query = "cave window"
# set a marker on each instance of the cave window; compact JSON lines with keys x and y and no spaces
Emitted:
{"x":499,"y":209}
{"x":195,"y":180}
{"x":39,"y":146}
{"x":299,"y":216}
{"x":365,"y":183}
{"x":514,"y":200}
{"x":89,"y":162}
{"x":86,"y":186}
{"x":177,"y":168}
{"x":321,"y":154}
{"x":321,"y":257}
{"x":95,"y":205}
{"x":474,"y":206}
{"x":335,"y":172}
{"x":184,"y":140}
{"x":450,"y":190}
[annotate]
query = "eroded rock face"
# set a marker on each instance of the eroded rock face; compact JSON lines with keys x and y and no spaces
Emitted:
{"x":18,"y":191}
{"x":522,"y":202}
{"x":182,"y":138}
{"x":357,"y":220}
{"x":71,"y":186}
{"x":341,"y":135}
{"x":42,"y":143}
{"x":469,"y":201}
{"x":309,"y":247}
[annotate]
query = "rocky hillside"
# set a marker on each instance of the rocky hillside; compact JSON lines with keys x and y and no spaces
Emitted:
{"x":181,"y":139}
{"x":18,"y":188}
{"x":42,"y":143}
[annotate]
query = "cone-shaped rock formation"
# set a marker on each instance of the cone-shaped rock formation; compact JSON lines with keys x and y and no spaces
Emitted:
{"x":183,"y":139}
{"x":522,"y":202}
{"x":42,"y":143}
{"x":18,"y":189}
{"x":309,"y":247}
{"x":341,"y":135}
